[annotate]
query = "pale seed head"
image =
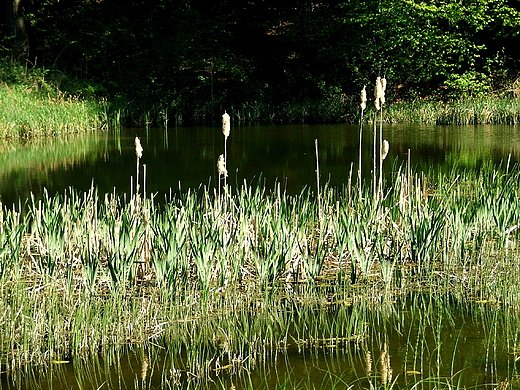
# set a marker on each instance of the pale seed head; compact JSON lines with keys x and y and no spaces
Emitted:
{"x":385,"y":149}
{"x":378,"y":90}
{"x":221,"y":166}
{"x":364,"y":98}
{"x":226,"y":124}
{"x":138,"y":148}
{"x":383,"y":88}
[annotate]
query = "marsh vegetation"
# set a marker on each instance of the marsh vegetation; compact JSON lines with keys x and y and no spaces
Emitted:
{"x":228,"y":283}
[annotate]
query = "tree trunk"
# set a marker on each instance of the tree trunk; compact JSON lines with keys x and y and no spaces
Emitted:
{"x":16,"y":28}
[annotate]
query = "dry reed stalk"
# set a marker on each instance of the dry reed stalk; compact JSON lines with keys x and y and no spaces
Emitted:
{"x":363,"y":107}
{"x":222,"y":171}
{"x":318,"y":179}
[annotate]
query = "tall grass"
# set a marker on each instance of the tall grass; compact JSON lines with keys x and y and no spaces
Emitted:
{"x":418,"y":224}
{"x":24,"y":113}
{"x":459,"y":112}
{"x":37,"y":102}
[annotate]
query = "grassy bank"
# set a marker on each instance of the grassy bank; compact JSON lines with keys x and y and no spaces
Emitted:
{"x":458,"y":112}
{"x":225,"y":278}
{"x":39,"y":102}
{"x":32,"y":104}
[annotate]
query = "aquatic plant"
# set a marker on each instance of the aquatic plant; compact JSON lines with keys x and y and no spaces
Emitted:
{"x":82,"y":272}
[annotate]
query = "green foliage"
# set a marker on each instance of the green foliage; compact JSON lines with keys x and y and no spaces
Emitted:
{"x":32,"y":103}
{"x":468,"y":84}
{"x":192,"y":60}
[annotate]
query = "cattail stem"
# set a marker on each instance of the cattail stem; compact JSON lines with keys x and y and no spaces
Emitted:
{"x":381,"y":93}
{"x":226,"y":129}
{"x":381,"y":154}
{"x":318,"y":179}
{"x":363,"y":106}
{"x":374,"y":168}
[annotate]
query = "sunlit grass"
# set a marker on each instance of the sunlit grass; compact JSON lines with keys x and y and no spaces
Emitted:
{"x":25,"y":113}
{"x":458,"y":112}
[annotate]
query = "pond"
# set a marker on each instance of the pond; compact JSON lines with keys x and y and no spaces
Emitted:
{"x":330,"y":340}
{"x":185,"y":157}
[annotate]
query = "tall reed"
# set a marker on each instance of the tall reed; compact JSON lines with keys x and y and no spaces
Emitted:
{"x":363,"y":106}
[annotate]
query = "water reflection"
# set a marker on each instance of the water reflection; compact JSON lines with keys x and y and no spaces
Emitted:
{"x":186,"y":157}
{"x":414,"y":343}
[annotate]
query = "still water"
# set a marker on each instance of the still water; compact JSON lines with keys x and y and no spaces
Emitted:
{"x":185,"y":157}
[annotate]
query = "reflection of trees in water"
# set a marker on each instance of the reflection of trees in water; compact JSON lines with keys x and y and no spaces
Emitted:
{"x":284,"y":153}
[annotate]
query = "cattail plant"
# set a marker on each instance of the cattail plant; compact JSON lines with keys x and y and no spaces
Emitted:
{"x":379,"y":101}
{"x":226,"y":129}
{"x":377,"y":96}
{"x":381,"y":146}
{"x":139,"y":154}
{"x":363,"y":107}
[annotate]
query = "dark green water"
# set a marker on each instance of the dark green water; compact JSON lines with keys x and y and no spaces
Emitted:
{"x":186,"y":157}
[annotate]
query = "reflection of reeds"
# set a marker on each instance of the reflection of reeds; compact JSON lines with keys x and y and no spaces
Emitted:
{"x":385,"y":365}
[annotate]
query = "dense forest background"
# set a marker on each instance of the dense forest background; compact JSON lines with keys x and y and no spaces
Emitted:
{"x":192,"y":59}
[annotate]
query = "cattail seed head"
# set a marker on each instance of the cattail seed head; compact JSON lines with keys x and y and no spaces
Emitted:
{"x":138,"y":148}
{"x":378,"y":90}
{"x":383,"y":87}
{"x":364,"y":98}
{"x":379,"y":94}
{"x":226,"y":124}
{"x":385,"y":147}
{"x":221,"y":166}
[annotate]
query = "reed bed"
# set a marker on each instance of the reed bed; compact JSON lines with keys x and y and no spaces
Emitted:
{"x":230,"y":281}
{"x":458,"y":112}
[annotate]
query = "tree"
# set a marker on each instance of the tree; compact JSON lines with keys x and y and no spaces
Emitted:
{"x":15,"y":29}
